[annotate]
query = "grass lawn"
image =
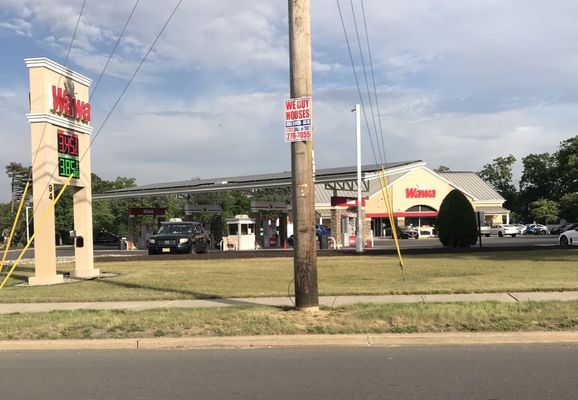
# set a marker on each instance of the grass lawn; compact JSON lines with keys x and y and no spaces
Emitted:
{"x":347,"y":275}
{"x":237,"y":321}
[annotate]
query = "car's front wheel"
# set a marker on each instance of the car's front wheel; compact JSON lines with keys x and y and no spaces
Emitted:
{"x":514,"y":235}
{"x":563,"y":241}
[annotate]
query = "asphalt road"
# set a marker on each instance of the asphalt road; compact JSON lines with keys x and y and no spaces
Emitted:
{"x":380,"y":244}
{"x":513,"y":372}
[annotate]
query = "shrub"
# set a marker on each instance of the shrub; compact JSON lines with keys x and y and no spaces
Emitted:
{"x":456,"y":224}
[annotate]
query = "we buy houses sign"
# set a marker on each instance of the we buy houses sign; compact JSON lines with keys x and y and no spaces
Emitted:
{"x":298,"y":119}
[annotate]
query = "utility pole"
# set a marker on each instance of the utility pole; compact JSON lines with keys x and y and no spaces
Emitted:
{"x":303,"y":190}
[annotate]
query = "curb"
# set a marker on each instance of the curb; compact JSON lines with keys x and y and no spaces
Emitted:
{"x":241,"y":342}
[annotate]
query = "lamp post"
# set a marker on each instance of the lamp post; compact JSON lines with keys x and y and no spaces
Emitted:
{"x":359,"y":234}
{"x":27,"y":225}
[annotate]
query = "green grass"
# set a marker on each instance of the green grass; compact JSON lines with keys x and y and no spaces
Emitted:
{"x":362,"y":318}
{"x":347,"y":275}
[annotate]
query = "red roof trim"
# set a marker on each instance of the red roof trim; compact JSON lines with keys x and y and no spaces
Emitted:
{"x":404,"y":214}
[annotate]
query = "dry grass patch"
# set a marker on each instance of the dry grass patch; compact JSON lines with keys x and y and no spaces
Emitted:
{"x":241,"y":321}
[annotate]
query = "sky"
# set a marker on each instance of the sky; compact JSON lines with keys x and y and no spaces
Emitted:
{"x":458,"y":83}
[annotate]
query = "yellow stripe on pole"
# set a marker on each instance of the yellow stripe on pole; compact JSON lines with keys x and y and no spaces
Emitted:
{"x":37,"y":229}
{"x":16,"y":218}
{"x":387,"y":197}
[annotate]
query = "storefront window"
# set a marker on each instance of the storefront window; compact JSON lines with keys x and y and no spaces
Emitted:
{"x":419,"y":220}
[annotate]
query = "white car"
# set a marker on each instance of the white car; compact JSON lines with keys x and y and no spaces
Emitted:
{"x":568,"y":238}
{"x":504,"y":230}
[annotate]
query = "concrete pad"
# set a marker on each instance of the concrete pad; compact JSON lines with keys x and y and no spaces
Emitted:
{"x":239,"y":342}
{"x":467,"y":297}
{"x":545,"y":296}
{"x":76,"y":344}
{"x":459,"y":338}
{"x":253,"y":341}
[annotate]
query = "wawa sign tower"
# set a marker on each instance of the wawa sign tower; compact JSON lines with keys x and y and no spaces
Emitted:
{"x":60,"y":137}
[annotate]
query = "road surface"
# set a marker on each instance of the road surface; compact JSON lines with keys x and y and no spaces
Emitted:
{"x":512,"y":372}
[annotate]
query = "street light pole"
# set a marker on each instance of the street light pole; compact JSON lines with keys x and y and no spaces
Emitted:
{"x":27,"y":225}
{"x":359,"y":235}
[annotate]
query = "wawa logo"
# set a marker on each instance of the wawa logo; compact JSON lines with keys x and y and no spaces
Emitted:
{"x":413,"y":193}
{"x":64,"y":102}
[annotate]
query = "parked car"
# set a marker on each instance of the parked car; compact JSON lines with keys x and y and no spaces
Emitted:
{"x":563,"y":228}
{"x":407,"y":233}
{"x":486,"y":230}
{"x":504,"y":230}
{"x":569,"y":237}
{"x":104,"y":238}
{"x":176,"y":236}
{"x":536,"y":229}
{"x":521,"y":229}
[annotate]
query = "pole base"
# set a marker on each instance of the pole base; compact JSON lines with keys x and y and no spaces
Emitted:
{"x":45,"y":280}
{"x":310,"y":309}
{"x":85,"y":273}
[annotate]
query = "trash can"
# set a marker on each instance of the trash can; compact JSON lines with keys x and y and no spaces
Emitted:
{"x":324,"y":242}
{"x":122,"y":245}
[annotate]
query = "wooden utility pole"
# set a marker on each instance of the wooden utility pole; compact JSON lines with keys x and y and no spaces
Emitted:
{"x":303,"y":193}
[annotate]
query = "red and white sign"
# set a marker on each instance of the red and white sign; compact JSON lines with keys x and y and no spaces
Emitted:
{"x":66,"y":104}
{"x":298,"y":125}
{"x":413,"y":193}
{"x":337,"y":201}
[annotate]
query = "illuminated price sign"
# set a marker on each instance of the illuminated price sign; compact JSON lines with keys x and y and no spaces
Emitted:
{"x":68,"y":162}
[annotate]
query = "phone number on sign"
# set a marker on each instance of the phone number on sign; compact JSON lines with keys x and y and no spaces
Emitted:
{"x":303,"y":135}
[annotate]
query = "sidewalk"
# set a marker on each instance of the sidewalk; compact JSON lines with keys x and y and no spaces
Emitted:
{"x":262,"y":341}
{"x":328,"y":301}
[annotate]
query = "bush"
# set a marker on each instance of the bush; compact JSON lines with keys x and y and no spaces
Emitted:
{"x":456,"y":224}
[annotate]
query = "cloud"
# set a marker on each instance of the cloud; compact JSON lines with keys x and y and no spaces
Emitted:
{"x":458,"y":83}
{"x":17,"y":26}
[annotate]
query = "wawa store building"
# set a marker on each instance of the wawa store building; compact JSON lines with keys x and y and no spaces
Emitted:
{"x":417,"y":193}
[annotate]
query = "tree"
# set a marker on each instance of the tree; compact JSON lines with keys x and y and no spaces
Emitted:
{"x":18,"y":175}
{"x":539,"y":177}
{"x":569,"y":207}
{"x":567,"y":160}
{"x":499,"y":175}
{"x":456,"y":224}
{"x":544,"y":211}
{"x":442,"y":168}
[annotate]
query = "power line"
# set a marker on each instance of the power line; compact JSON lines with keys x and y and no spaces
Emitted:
{"x":44,"y":129}
{"x":59,"y":80}
{"x":366,"y":80}
{"x":356,"y":80}
{"x":131,"y":79}
{"x":126,"y":86}
{"x":374,"y":85}
{"x":113,"y":50}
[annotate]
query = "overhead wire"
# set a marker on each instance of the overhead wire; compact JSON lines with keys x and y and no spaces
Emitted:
{"x":59,"y":80}
{"x":379,"y":148}
{"x":94,"y":89}
{"x":131,"y":79}
{"x":356,"y":80}
{"x":109,"y":113}
{"x":382,"y":177}
{"x":374,"y":85}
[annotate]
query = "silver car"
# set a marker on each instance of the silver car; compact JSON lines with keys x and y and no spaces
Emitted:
{"x":504,"y":230}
